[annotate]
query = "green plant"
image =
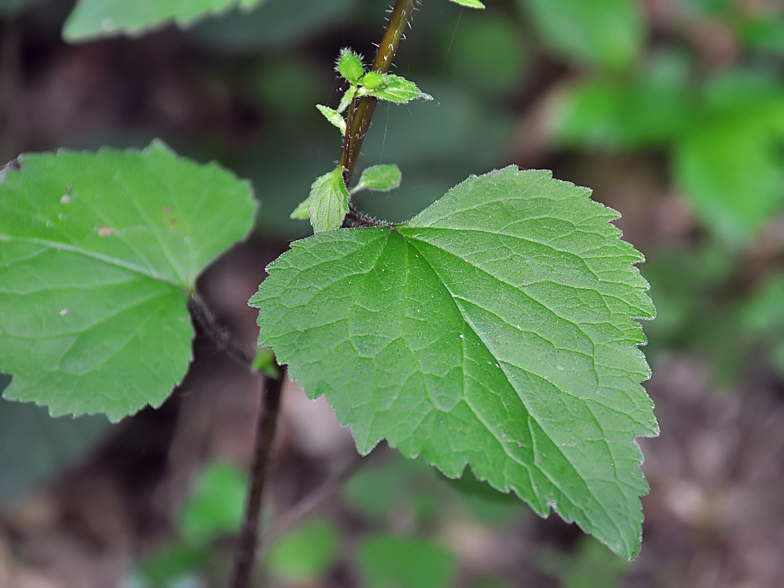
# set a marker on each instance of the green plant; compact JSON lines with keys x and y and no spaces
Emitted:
{"x":496,"y":329}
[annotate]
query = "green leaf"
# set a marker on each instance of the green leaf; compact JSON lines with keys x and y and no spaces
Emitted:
{"x":327,"y":202}
{"x":334,"y":117}
{"x":469,"y":3}
{"x":381,"y":178}
{"x":265,"y":362}
{"x":98,"y":255}
{"x":92,"y":19}
{"x":302,"y":211}
{"x":304,"y":553}
{"x":215,"y":508}
{"x":409,"y":563}
{"x":765,"y":34}
{"x":651,"y":110}
{"x":372,"y":80}
{"x":394,"y":89}
{"x":729,"y":163}
{"x":494,"y":329}
{"x":350,"y":65}
{"x":346,"y":99}
{"x":596,"y":32}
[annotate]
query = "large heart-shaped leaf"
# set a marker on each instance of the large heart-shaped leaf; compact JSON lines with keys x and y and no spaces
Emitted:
{"x":98,"y":255}
{"x":107,"y":18}
{"x":495,"y":329}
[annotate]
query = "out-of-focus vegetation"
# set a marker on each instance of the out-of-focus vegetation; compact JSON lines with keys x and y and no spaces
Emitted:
{"x":673,"y":110}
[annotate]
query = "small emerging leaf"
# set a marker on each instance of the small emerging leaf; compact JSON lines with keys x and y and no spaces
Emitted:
{"x":347,"y":98}
{"x":265,"y":362}
{"x":328,"y":201}
{"x":334,"y":117}
{"x":350,"y":66}
{"x":372,"y":80}
{"x":469,"y":3}
{"x":301,"y":212}
{"x":381,"y":178}
{"x":395,"y":89}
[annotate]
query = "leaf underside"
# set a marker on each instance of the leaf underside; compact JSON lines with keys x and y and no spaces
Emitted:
{"x":98,"y":254}
{"x":495,"y":329}
{"x":93,"y":19}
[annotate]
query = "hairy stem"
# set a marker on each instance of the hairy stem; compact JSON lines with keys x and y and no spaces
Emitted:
{"x":359,"y":116}
{"x":247,"y":543}
{"x":361,"y":112}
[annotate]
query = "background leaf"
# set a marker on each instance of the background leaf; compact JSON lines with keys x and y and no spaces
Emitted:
{"x":730,"y":163}
{"x":494,"y":329}
{"x":304,"y":553}
{"x":216,"y":505}
{"x":106,"y":18}
{"x":409,"y":563}
{"x":596,"y":32}
{"x":98,"y":254}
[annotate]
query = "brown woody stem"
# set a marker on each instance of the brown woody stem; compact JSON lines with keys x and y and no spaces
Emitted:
{"x":361,"y":110}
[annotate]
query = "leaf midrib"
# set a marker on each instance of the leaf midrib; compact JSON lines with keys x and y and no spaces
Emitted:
{"x":531,"y":417}
{"x":111,"y":261}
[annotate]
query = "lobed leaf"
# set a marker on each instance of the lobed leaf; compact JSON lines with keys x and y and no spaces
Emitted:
{"x":98,"y":255}
{"x":495,"y":329}
{"x":92,"y":19}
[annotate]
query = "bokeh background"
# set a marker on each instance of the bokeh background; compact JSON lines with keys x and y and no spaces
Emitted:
{"x":672,"y":111}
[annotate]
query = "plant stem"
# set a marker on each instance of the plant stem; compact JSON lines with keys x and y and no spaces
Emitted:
{"x":313,"y":500}
{"x":226,"y":341}
{"x":360,"y":116}
{"x":247,"y":542}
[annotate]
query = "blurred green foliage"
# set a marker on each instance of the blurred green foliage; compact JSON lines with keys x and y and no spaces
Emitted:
{"x":607,"y":33}
{"x":591,"y":566}
{"x":214,"y":509}
{"x":387,"y":562}
{"x":304,"y":553}
{"x":763,"y":316}
{"x":399,"y":487}
{"x":216,"y":504}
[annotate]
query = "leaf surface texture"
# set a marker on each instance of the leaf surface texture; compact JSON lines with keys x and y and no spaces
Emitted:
{"x":92,"y":19}
{"x":495,"y":329}
{"x":98,"y":255}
